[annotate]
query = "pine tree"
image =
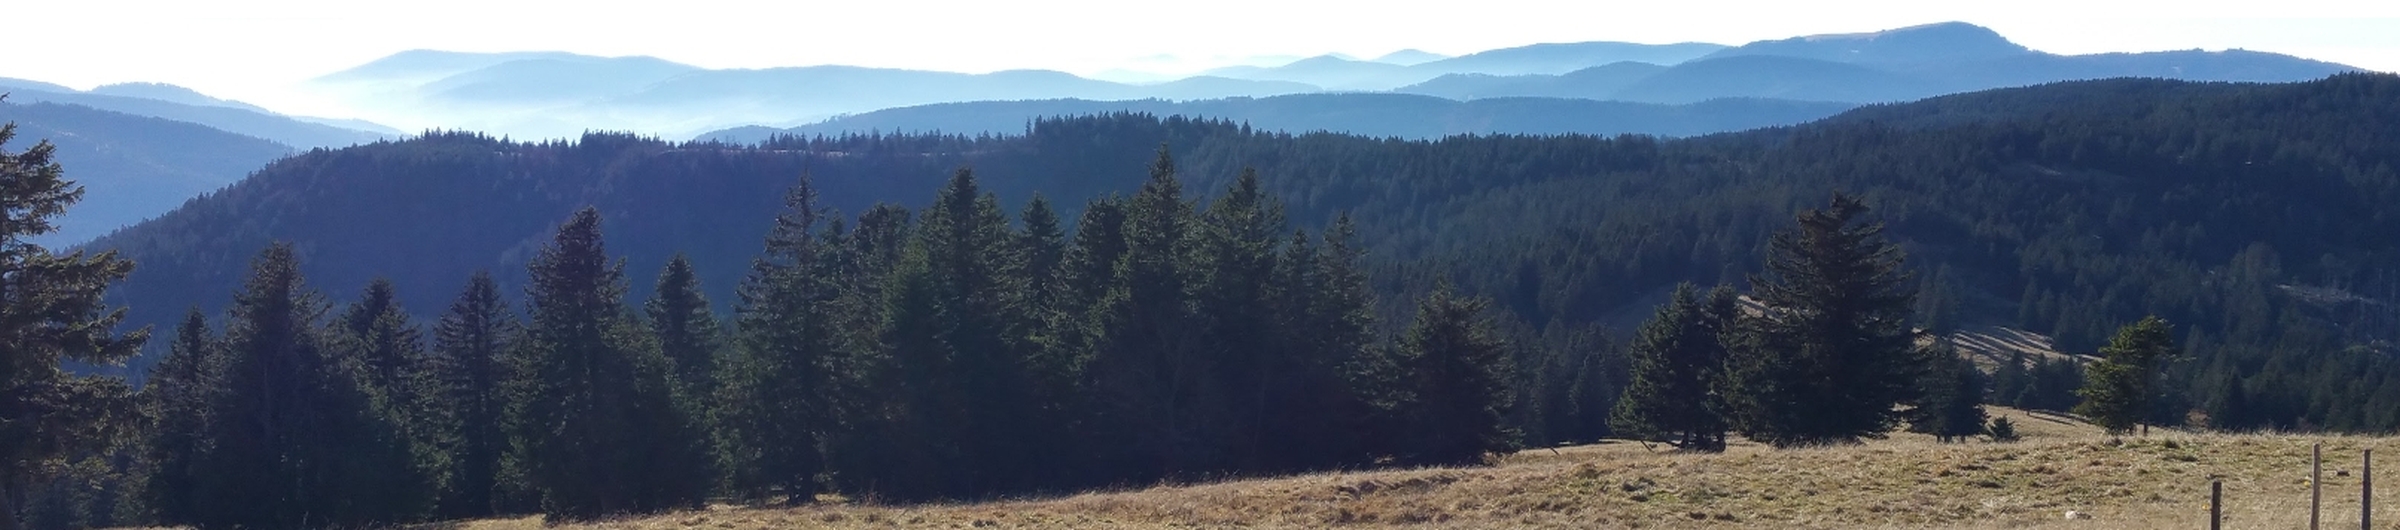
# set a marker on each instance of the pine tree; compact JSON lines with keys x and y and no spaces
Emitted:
{"x":178,"y":392}
{"x":965,"y":241}
{"x":471,"y":366}
{"x":777,"y":405}
{"x":297,"y":438}
{"x":1676,"y":359}
{"x":1454,"y":364}
{"x":376,"y":333}
{"x":1238,"y":240}
{"x":1157,"y":413}
{"x":2230,"y":409}
{"x":1338,"y":334}
{"x":1834,"y":355}
{"x":2010,"y":379}
{"x":686,"y":327}
{"x":1053,"y":362}
{"x":1950,"y":404}
{"x":2118,"y":390}
{"x":375,"y":337}
{"x":600,"y":427}
{"x":51,"y":311}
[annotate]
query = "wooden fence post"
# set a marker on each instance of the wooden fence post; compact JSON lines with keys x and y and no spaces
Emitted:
{"x":2216,"y":504}
{"x":2366,"y":489}
{"x":2316,"y":482}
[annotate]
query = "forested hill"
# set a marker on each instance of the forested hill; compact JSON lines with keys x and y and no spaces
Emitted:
{"x":2258,"y":217}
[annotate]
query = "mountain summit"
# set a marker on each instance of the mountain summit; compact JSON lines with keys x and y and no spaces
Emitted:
{"x":1946,"y":41}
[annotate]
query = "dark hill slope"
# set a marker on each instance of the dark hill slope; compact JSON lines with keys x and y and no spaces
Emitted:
{"x":132,"y":167}
{"x":2065,"y":208}
{"x":1363,"y":114}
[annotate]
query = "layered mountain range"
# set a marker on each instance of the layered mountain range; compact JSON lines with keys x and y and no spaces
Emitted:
{"x":1593,"y":88}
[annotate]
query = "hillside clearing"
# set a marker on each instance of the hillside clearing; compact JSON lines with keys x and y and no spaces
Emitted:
{"x":2159,"y":481}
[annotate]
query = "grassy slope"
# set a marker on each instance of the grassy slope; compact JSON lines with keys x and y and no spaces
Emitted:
{"x":2159,"y":481}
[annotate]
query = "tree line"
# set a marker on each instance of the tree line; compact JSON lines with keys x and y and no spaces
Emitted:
{"x":948,"y":353}
{"x":954,"y":353}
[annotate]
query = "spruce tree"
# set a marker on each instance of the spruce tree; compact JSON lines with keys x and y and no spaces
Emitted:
{"x":1157,"y":413}
{"x":1338,"y":331}
{"x":966,"y":243}
{"x":51,"y":311}
{"x":1052,"y":362}
{"x":471,"y":368}
{"x":376,"y":334}
{"x":1834,"y":355}
{"x":297,"y":438}
{"x":1676,"y":360}
{"x":178,"y":392}
{"x":597,"y":419}
{"x":1238,"y":241}
{"x":686,"y":327}
{"x":2118,"y":390}
{"x":376,"y":337}
{"x":1454,"y":365}
{"x":2230,"y":408}
{"x":776,"y":406}
{"x":1950,"y":404}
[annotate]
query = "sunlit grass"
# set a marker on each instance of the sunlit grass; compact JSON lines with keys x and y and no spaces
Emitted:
{"x":1908,"y":481}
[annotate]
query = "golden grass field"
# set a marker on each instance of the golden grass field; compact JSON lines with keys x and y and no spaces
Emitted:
{"x":1908,"y":481}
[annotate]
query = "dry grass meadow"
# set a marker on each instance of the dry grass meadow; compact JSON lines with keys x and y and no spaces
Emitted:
{"x":2157,"y":481}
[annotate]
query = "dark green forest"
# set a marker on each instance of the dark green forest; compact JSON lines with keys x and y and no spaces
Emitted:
{"x":2254,"y":218}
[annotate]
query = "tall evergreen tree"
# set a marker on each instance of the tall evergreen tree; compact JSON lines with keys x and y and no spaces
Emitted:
{"x":2229,"y":409}
{"x":376,"y":333}
{"x":376,"y":337}
{"x":1950,"y":404}
{"x":51,"y":311}
{"x":1454,"y":364}
{"x":967,"y":244}
{"x":1677,"y":359}
{"x":471,"y":368}
{"x":2118,"y":390}
{"x":1835,"y":355}
{"x":297,"y":438}
{"x":1158,"y":413}
{"x":686,"y":327}
{"x":777,"y":403}
{"x":1238,"y":244}
{"x":598,"y":420}
{"x":178,"y":392}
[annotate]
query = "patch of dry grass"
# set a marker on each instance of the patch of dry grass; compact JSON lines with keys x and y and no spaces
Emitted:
{"x":2159,"y":481}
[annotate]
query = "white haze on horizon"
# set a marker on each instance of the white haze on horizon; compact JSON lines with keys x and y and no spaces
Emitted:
{"x":258,"y":51}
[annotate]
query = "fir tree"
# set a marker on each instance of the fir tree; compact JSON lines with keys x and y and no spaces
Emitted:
{"x":776,"y":406}
{"x":376,"y":333}
{"x":686,"y":327}
{"x":966,"y":243}
{"x":1835,"y":354}
{"x":2118,"y":390}
{"x":1676,"y":359}
{"x":1157,"y":411}
{"x":1238,"y":244}
{"x":471,"y":367}
{"x":1950,"y":404}
{"x":51,"y":311}
{"x":178,"y":392}
{"x":2230,"y":409}
{"x":1458,"y":390}
{"x":597,"y":419}
{"x":375,"y":337}
{"x":296,"y":437}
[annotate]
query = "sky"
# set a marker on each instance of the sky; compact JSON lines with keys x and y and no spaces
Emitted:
{"x":256,"y":50}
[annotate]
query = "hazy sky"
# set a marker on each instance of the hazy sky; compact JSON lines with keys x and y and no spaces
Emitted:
{"x":248,"y":49}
